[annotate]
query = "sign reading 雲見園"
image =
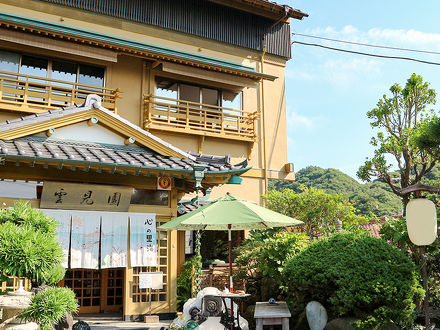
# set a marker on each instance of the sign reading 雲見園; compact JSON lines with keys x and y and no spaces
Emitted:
{"x":76,"y":196}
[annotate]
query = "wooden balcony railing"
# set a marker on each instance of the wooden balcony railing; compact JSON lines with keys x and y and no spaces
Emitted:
{"x":201,"y":119}
{"x":32,"y":94}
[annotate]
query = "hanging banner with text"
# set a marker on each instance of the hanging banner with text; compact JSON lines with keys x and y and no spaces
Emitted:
{"x":84,"y":251}
{"x":143,"y":239}
{"x":114,"y":233}
{"x":77,"y":196}
{"x":63,"y":230}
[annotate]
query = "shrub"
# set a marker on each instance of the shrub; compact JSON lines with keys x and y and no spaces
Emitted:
{"x":23,"y":214}
{"x":264,"y":254}
{"x":50,"y":306}
{"x":184,"y":280}
{"x":26,"y":252}
{"x":28,"y":244}
{"x":355,"y":275}
{"x":54,"y":275}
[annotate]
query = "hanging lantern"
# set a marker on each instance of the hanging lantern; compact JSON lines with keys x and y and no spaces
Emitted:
{"x":421,"y":221}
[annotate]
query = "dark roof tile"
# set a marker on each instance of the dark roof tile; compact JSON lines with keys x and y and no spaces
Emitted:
{"x":115,"y":155}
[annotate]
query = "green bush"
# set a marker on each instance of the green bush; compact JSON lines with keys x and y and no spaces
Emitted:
{"x":184,"y":280}
{"x":28,"y":244}
{"x":264,"y":253}
{"x":355,"y":275}
{"x":23,"y":214}
{"x":50,"y":306}
{"x":26,"y":252}
{"x":54,"y":275}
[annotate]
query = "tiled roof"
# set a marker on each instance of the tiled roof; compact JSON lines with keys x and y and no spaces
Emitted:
{"x":37,"y":148}
{"x":372,"y":228}
{"x":184,"y":207}
{"x":108,"y":155}
{"x":92,"y":102}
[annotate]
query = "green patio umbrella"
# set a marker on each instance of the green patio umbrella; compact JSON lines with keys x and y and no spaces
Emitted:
{"x":230,"y":213}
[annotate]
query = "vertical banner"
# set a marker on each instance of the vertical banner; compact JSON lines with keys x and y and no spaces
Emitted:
{"x":63,"y":218}
{"x":143,"y":240}
{"x":84,"y":251}
{"x":114,"y":234}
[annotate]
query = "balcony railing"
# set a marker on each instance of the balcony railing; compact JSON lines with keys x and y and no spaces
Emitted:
{"x":201,"y":119}
{"x":32,"y":94}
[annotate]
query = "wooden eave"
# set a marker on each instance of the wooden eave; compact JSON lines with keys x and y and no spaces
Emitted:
{"x":45,"y":169}
{"x":76,"y":35}
{"x":105,"y":119}
{"x":263,"y":8}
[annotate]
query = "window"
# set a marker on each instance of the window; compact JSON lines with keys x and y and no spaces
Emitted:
{"x":172,"y":90}
{"x":150,"y":197}
{"x":9,"y":61}
{"x":67,"y":71}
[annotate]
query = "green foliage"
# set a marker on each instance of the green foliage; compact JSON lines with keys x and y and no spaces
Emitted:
{"x":400,"y":119}
{"x":54,"y":275}
{"x":50,"y":306}
{"x":28,"y":244}
{"x":184,"y":280}
{"x":355,"y":275}
{"x":395,"y":232}
{"x":331,"y":180}
{"x":22,"y":214}
{"x":27,"y":252}
{"x":370,"y":199}
{"x":317,"y":209}
{"x":264,"y":254}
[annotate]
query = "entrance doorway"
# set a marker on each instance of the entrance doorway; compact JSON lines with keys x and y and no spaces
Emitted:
{"x":97,"y":291}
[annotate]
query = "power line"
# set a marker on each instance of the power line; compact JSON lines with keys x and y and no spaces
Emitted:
{"x":368,"y":45}
{"x":366,"y":54}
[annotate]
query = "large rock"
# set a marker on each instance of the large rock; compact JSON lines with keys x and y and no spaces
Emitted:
{"x":316,"y":315}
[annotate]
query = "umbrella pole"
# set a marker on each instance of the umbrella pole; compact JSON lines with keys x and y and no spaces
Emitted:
{"x":231,"y":284}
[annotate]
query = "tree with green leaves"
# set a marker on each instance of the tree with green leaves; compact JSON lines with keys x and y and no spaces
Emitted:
{"x":399,"y":119}
{"x":373,"y":199}
{"x":318,"y":210}
{"x":29,"y":246}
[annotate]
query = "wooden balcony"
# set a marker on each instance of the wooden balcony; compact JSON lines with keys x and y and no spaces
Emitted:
{"x":32,"y":94}
{"x":200,"y":119}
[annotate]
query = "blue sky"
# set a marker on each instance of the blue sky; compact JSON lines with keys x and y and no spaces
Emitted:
{"x":329,"y":93}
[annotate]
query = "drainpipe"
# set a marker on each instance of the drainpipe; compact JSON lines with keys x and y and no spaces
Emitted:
{"x":263,"y":44}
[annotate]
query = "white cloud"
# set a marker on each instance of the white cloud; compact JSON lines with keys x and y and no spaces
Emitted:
{"x":378,"y":36}
{"x":337,"y":70}
{"x":296,"y":120}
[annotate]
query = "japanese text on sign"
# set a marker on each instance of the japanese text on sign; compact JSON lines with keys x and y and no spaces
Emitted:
{"x":76,"y":196}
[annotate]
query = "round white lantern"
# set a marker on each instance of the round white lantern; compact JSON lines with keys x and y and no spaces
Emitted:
{"x":421,"y":221}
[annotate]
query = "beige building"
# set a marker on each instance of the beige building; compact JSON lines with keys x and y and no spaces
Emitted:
{"x":138,"y":95}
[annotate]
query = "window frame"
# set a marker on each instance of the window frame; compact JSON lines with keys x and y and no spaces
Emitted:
{"x":49,"y":69}
{"x":220,"y":92}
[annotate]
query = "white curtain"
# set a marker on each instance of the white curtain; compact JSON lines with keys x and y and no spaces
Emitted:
{"x":114,"y":234}
{"x":84,"y":251}
{"x":63,"y":230}
{"x":143,"y":240}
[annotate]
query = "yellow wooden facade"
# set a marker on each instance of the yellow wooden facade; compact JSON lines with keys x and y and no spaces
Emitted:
{"x":132,"y":73}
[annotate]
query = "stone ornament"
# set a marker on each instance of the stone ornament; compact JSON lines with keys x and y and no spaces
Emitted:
{"x":316,"y":315}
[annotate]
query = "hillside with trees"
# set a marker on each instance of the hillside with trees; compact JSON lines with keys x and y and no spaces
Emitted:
{"x":374,"y":198}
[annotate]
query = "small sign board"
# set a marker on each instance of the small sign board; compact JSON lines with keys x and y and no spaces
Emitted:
{"x":77,"y":196}
{"x":164,"y":183}
{"x":152,"y":280}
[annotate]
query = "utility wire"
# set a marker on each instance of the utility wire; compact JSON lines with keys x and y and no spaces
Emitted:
{"x":366,"y":54}
{"x":368,"y":45}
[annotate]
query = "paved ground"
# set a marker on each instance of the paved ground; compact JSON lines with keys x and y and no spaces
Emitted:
{"x":97,"y":323}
